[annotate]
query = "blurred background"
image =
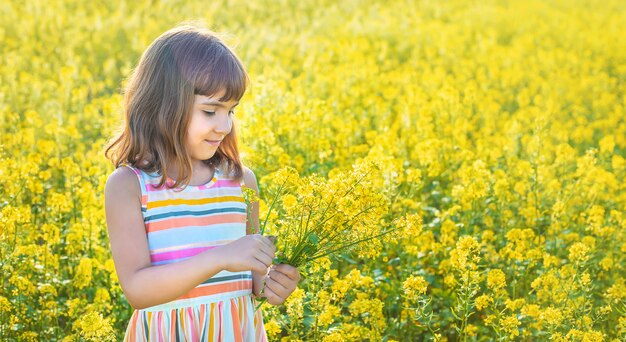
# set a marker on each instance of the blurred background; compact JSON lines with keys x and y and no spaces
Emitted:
{"x":499,"y":123}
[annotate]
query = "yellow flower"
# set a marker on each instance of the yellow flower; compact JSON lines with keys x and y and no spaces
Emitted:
{"x":448,"y":232}
{"x":294,"y":304}
{"x":328,"y":316}
{"x":370,"y":310}
{"x":30,"y":336}
{"x":607,"y":144}
{"x":514,"y":304}
{"x":23,"y":285}
{"x":83,"y":275}
{"x":272,"y":328}
{"x":410,"y":225}
{"x":587,"y":336}
{"x":496,"y":279}
{"x":94,"y":327}
{"x":531,"y":310}
{"x":579,"y":252}
{"x":617,"y":292}
{"x":102,"y":299}
{"x":510,"y":326}
{"x":622,"y":325}
{"x":5,"y":305}
{"x":483,"y":302}
{"x":289,"y":201}
{"x":585,"y":279}
{"x":551,"y":316}
{"x":415,"y":286}
{"x":335,"y":336}
{"x":465,"y":255}
{"x":471,"y":330}
{"x":449,"y":280}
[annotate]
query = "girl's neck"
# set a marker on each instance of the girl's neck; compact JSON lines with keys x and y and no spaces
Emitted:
{"x":200,"y":173}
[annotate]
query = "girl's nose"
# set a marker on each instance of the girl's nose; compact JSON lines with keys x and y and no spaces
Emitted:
{"x":225,"y":124}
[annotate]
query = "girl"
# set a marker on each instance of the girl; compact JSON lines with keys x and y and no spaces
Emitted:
{"x":185,"y":255}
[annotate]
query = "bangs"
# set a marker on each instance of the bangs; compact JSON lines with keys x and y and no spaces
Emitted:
{"x":223,"y":71}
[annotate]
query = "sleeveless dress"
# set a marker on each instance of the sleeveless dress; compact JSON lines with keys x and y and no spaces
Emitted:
{"x":179,"y":225}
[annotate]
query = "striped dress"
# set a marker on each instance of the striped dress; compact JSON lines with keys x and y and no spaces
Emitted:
{"x":179,"y":225}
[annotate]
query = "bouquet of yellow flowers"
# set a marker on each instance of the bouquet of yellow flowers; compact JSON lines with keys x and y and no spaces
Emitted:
{"x":313,"y":217}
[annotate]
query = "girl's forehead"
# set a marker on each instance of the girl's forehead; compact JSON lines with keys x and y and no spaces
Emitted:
{"x":213,"y":99}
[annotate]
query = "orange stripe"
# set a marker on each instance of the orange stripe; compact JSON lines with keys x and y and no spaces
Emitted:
{"x":132,"y":333}
{"x":242,"y":314}
{"x":194,"y":201}
{"x":173,"y":325}
{"x":258,"y":326}
{"x":217,"y":288}
{"x":179,"y":222}
{"x":202,"y":318}
{"x":235,"y":321}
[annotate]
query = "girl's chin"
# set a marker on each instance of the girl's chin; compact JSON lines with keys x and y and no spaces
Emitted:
{"x":203,"y":156}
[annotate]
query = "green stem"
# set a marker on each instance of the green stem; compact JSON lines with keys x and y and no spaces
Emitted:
{"x":317,"y":256}
{"x":272,"y":206}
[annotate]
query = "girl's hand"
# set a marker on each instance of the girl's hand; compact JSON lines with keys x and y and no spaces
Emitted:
{"x":282,"y":280}
{"x":250,"y":253}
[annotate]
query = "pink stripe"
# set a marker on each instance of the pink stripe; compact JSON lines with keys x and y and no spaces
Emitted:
{"x":192,"y":326}
{"x":191,"y":245}
{"x":179,"y":254}
{"x":220,"y":335}
{"x":221,"y":183}
{"x":181,"y":222}
{"x":160,"y":317}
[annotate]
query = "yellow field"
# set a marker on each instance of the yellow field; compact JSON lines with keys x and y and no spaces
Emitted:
{"x":500,"y":123}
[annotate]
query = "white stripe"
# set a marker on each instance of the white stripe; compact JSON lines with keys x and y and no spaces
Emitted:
{"x":227,"y":325}
{"x":182,"y":303}
{"x":207,"y":193}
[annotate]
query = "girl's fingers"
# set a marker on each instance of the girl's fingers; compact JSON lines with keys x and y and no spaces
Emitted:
{"x":278,"y":288}
{"x":282,"y":279}
{"x":289,"y":271}
{"x":272,"y":297}
{"x":268,"y":252}
{"x":265,"y":259}
{"x":259,"y":266}
{"x":267,"y":242}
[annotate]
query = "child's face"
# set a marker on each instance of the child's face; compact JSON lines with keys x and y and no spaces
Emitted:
{"x":211,"y":121}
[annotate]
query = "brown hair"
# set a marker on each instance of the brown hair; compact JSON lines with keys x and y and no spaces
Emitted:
{"x":181,"y":63}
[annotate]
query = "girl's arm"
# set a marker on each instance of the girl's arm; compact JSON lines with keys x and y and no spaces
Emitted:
{"x":145,"y":285}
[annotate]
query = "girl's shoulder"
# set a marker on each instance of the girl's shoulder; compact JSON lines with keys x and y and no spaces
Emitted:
{"x":122,"y":182}
{"x":249,"y":179}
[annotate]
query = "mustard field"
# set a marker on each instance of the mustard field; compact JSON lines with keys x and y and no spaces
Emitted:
{"x":497,"y":128}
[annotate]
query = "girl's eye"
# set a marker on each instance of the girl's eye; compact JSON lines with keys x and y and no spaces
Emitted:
{"x":232,"y":112}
